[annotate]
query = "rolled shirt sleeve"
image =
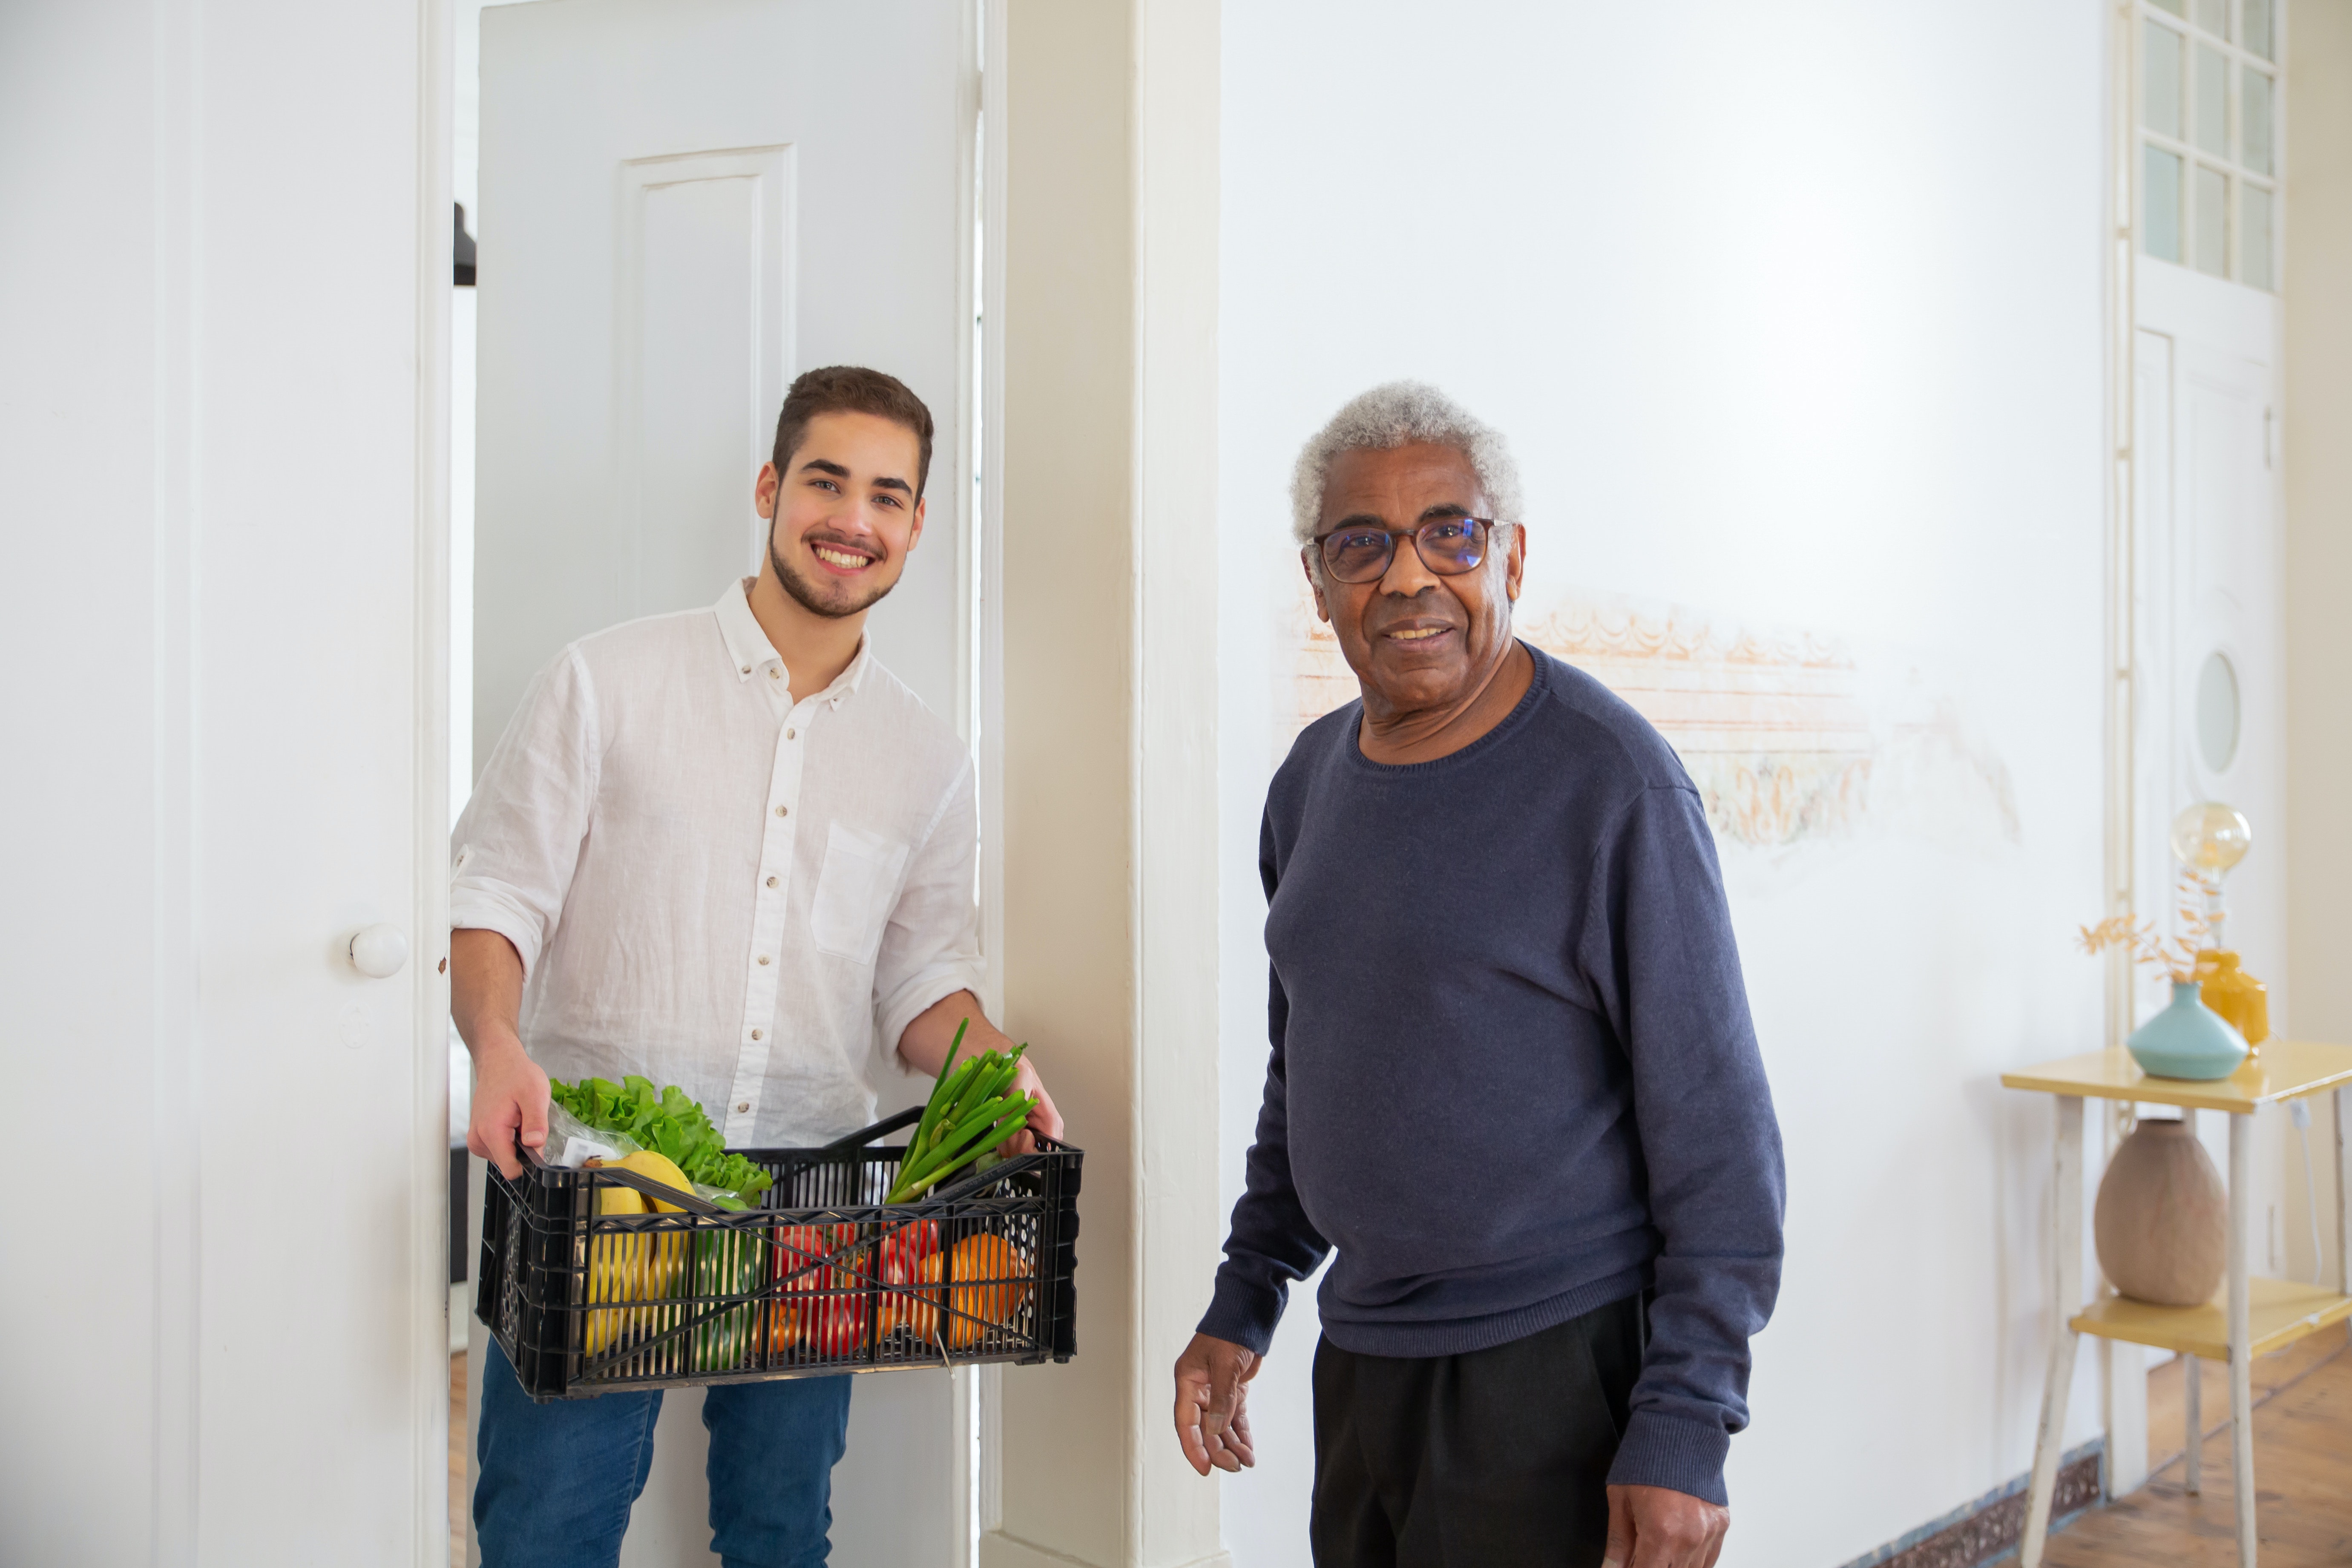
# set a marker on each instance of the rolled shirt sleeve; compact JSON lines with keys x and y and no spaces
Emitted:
{"x":517,"y":841}
{"x":931,"y":945}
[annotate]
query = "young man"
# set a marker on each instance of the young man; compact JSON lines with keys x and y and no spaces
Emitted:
{"x":727,"y":849}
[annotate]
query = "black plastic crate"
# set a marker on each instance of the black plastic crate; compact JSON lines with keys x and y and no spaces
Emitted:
{"x":824,"y":1278}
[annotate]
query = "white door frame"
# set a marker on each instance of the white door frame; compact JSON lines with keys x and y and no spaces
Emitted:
{"x":979,"y":1403}
{"x":2124,"y":1377}
{"x":428,"y":1237}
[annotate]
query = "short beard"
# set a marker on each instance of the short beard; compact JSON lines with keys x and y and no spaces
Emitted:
{"x":804,"y":593}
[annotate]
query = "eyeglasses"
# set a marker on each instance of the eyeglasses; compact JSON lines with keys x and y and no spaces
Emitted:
{"x":1448,"y":546}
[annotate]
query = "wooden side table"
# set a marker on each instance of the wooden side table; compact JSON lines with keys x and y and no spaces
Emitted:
{"x":2249,"y":1317}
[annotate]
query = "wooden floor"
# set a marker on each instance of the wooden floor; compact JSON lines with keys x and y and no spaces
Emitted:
{"x":458,"y":1458}
{"x":2303,"y":1472}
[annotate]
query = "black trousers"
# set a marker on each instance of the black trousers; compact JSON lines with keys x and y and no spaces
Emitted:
{"x":1499,"y":1458}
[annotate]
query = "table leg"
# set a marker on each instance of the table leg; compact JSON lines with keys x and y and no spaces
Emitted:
{"x":2242,"y":1370}
{"x":2343,"y":1098}
{"x":2192,"y":1477}
{"x":2065,"y":1300}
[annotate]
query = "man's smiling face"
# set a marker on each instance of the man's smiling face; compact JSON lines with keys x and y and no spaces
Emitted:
{"x":845,"y":511}
{"x":1417,"y":641}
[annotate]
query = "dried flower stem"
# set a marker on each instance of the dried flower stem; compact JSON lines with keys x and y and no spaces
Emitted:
{"x":2177,"y":956}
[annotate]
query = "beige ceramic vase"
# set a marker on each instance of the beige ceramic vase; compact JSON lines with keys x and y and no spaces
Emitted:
{"x":2162,"y":1221}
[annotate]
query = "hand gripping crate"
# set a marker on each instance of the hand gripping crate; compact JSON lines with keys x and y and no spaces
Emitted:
{"x":824,"y":1278}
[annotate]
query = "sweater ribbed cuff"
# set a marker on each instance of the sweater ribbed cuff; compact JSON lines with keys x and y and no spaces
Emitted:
{"x":1669,"y":1451}
{"x":1242,"y":1313}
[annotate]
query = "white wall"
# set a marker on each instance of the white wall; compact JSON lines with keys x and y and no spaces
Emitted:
{"x":1794,"y":317}
{"x":2319,"y":569}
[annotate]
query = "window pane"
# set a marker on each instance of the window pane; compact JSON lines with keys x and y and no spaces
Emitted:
{"x":2212,"y":102}
{"x":2159,"y":101}
{"x":2254,"y":135}
{"x":2177,"y":7}
{"x":2160,"y":203}
{"x":2213,"y":16}
{"x":2258,"y":27}
{"x":2254,"y":236}
{"x":2211,"y":214}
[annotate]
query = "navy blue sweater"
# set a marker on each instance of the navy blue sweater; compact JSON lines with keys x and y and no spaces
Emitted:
{"x":1513,"y":1074}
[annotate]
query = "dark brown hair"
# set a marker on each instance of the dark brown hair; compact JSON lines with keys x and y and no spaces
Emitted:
{"x":852,"y":389}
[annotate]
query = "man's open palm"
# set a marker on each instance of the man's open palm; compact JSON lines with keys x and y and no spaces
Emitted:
{"x":1211,"y":1403}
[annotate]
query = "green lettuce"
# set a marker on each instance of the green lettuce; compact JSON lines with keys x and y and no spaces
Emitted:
{"x":668,"y":1122}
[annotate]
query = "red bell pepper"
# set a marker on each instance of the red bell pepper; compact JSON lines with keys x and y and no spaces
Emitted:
{"x":905,"y":1252}
{"x":824,"y":1306}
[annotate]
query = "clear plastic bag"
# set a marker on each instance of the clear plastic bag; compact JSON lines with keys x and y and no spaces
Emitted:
{"x":575,"y":1142}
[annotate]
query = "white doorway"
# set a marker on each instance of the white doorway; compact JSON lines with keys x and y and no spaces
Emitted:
{"x":2200,"y":582}
{"x":683,"y":204}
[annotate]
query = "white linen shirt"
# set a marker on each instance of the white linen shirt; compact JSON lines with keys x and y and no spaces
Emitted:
{"x":719,"y":887}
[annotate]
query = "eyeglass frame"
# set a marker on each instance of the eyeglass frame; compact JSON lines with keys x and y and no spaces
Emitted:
{"x":1414,"y":534}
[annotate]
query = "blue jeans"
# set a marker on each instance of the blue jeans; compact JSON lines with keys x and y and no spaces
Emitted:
{"x":558,"y":1479}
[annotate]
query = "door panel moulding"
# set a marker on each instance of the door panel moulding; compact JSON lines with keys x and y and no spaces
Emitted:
{"x":652,"y":215}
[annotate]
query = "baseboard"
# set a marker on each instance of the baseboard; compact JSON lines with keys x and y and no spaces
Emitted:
{"x":998,"y":1550}
{"x":1990,"y":1528}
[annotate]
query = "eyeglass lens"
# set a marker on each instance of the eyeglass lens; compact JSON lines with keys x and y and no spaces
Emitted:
{"x":1449,"y":546}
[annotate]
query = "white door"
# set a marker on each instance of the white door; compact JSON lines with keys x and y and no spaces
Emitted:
{"x":226,"y":1273}
{"x":684,"y":203}
{"x":2208,"y":669}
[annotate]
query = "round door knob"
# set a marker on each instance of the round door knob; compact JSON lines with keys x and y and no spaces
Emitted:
{"x":379,"y":951}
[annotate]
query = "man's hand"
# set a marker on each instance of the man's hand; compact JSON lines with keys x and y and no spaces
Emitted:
{"x":1211,"y":1403}
{"x":510,"y":1091}
{"x":509,"y":1103}
{"x":924,"y":1048}
{"x":1652,"y":1527}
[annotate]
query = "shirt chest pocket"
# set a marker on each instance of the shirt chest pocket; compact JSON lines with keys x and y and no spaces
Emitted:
{"x":854,"y":891}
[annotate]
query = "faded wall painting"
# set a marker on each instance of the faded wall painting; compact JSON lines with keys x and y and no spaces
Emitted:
{"x":1789,"y":737}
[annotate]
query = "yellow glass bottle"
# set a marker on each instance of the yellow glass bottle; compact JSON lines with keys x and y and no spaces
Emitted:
{"x":2235,"y":994}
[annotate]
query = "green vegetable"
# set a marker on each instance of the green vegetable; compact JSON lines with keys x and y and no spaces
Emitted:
{"x":727,"y":1262}
{"x":949,"y":1076}
{"x":667,"y":1122}
{"x":956,"y":1154}
{"x":970,"y":1115}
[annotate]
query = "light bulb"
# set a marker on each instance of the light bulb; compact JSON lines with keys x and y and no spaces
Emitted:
{"x":2210,"y":838}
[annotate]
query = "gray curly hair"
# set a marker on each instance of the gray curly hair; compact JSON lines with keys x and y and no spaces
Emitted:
{"x":1400,"y":414}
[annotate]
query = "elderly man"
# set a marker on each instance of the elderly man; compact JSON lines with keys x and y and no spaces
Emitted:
{"x":1513,"y":1082}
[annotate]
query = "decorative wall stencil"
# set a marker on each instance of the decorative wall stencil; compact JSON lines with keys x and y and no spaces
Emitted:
{"x":1788,"y":736}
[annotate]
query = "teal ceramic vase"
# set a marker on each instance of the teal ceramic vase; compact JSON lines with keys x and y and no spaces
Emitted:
{"x":2187,"y":1039}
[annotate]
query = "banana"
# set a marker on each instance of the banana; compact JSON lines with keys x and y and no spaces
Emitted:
{"x":615,"y":1268}
{"x":655,"y":1167}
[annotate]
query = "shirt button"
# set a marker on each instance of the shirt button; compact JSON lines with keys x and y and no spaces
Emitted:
{"x":781,"y":812}
{"x":772,"y":881}
{"x":763,"y":960}
{"x":755,"y":1034}
{"x":742,"y":1105}
{"x":747,"y":670}
{"x":775,"y":675}
{"x":788,"y":734}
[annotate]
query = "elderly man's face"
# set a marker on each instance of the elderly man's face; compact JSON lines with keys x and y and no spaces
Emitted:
{"x":1417,"y":641}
